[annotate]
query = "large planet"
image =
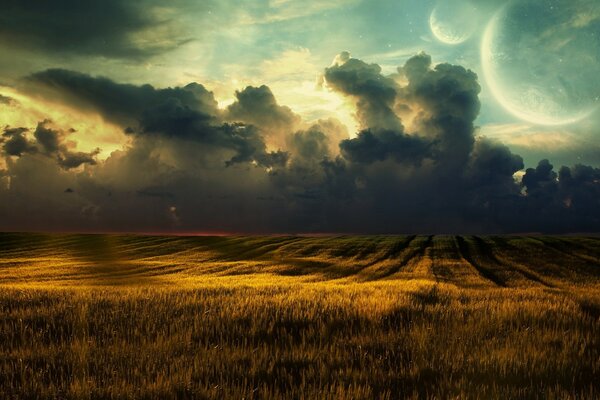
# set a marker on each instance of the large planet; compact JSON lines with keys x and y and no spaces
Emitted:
{"x":453,"y":21}
{"x":541,"y":59}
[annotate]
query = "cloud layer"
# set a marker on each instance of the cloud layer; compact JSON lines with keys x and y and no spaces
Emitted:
{"x":416,"y":164}
{"x":110,"y":28}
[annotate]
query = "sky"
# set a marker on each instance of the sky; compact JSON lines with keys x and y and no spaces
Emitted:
{"x":285,"y":116}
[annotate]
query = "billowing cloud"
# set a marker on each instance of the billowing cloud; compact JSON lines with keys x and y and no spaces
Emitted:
{"x":188,"y":112}
{"x":53,"y":143}
{"x":15,"y":143}
{"x":374,"y":93}
{"x":561,"y":201}
{"x":417,"y":163}
{"x":377,"y":145}
{"x":257,"y":106}
{"x":122,"y":103}
{"x":47,"y":141}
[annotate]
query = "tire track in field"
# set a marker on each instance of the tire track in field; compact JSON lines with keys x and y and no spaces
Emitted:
{"x":588,"y":245}
{"x":502,"y":245}
{"x":351,"y":259}
{"x":448,"y":264}
{"x":309,"y":246}
{"x":25,"y":245}
{"x":265,"y":246}
{"x":467,"y":254}
{"x":354,"y":247}
{"x":379,"y":265}
{"x":586,"y":264}
{"x":467,"y":261}
{"x":441,"y":273}
{"x":394,"y":250}
{"x":510,"y":266}
{"x":410,"y":254}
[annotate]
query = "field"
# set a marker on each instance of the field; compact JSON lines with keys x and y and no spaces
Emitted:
{"x":126,"y":316}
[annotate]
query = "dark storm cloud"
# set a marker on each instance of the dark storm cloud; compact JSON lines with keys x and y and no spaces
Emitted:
{"x":370,"y":146}
{"x":310,"y":145}
{"x":492,"y":163}
{"x":52,"y":142}
{"x":374,"y":93}
{"x":461,"y":182}
{"x":317,"y":142}
{"x":188,"y":112}
{"x":539,"y":177}
{"x":567,"y":201}
{"x":14,"y":142}
{"x":122,"y":103}
{"x":49,"y":142}
{"x":419,"y":178}
{"x":68,"y":159}
{"x":415,"y":166}
{"x":109,"y":28}
{"x":257,"y":106}
{"x":248,"y":144}
{"x":448,"y":96}
{"x":48,"y":138}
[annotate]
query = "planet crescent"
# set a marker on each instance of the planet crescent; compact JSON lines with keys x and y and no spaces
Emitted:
{"x":501,"y":93}
{"x":441,"y":34}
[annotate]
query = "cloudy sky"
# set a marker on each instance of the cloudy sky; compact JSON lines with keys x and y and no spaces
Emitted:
{"x":285,"y":116}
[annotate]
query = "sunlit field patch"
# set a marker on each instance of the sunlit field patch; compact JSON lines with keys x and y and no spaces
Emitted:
{"x":123,"y":316}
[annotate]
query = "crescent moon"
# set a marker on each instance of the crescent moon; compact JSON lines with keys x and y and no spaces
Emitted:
{"x":503,"y":97}
{"x":441,"y":34}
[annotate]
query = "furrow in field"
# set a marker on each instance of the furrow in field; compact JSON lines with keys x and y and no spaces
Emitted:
{"x":67,"y":245}
{"x":449,"y":264}
{"x":568,"y":255}
{"x":414,"y":262}
{"x":355,"y":248}
{"x":385,"y":259}
{"x":329,"y":264}
{"x":38,"y":245}
{"x":127,"y":249}
{"x":371,"y":250}
{"x":514,"y":258}
{"x":484,"y":253}
{"x":233,"y":247}
{"x":476,"y":255}
{"x":257,"y":249}
{"x":465,"y":261}
{"x":552,"y":262}
{"x":586,"y":246}
{"x":310,"y":247}
{"x":133,"y":272}
{"x":393,"y":249}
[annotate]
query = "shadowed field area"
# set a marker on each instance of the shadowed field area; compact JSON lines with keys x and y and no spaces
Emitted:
{"x":126,"y":316}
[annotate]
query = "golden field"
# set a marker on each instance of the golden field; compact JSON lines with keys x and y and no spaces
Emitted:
{"x":375,"y":317}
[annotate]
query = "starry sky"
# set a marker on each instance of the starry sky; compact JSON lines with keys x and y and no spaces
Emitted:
{"x":284,"y":116}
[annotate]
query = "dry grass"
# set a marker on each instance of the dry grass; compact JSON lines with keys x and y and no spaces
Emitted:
{"x":103,"y":316}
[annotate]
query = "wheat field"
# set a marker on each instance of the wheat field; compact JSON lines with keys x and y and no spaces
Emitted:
{"x":374,"y":317}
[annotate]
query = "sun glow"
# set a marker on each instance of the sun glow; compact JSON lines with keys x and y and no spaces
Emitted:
{"x":91,"y":131}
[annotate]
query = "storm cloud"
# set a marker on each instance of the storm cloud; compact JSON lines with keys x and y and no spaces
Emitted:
{"x":188,"y":113}
{"x":47,"y":141}
{"x":416,"y":165}
{"x":14,"y":142}
{"x":110,"y":28}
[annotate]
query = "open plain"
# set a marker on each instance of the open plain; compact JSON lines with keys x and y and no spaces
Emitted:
{"x":347,"y":317}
